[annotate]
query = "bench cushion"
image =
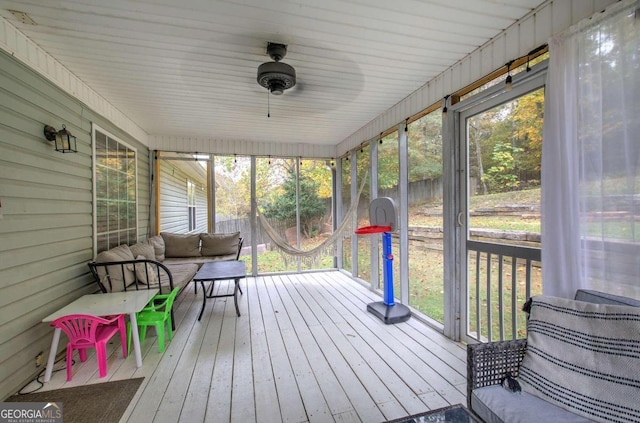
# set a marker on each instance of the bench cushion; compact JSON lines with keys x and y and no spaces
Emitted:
{"x":197,"y":260}
{"x":597,"y":297}
{"x":182,"y":274}
{"x":495,"y":404}
{"x":181,"y":245}
{"x":584,"y":357}
{"x":220,"y":244}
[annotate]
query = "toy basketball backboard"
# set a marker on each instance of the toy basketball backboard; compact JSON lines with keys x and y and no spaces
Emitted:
{"x":383,"y":212}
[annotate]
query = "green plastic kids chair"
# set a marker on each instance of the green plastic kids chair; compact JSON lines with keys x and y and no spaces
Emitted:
{"x":157,"y":313}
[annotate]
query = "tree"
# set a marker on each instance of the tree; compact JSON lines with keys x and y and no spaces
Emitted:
{"x":312,"y":207}
{"x":501,"y":176}
{"x":232,"y":176}
{"x":388,"y":162}
{"x":319,"y":172}
{"x":511,"y":131}
{"x":527,"y":119}
{"x":425,"y":148}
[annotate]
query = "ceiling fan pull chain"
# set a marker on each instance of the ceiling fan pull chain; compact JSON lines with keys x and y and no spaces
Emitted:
{"x":268,"y":106}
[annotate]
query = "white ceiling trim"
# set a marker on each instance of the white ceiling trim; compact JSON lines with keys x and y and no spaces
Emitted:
{"x":22,"y":48}
{"x":239,"y":147}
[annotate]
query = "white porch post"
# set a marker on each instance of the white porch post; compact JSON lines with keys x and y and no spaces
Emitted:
{"x":354,"y":193}
{"x":454,"y":236}
{"x":337,"y":183}
{"x":211,"y":190}
{"x":373,"y":194}
{"x":403,"y":212}
{"x":254,"y":215}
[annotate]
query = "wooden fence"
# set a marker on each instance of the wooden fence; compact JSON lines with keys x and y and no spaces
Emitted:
{"x":428,"y":190}
{"x":244,"y":227}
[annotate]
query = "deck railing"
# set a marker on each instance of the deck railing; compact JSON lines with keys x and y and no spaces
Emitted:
{"x":501,"y":278}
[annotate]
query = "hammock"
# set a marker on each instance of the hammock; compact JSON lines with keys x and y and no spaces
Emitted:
{"x":311,"y":256}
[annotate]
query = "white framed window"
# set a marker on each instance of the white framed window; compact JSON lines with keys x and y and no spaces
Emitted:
{"x":115,"y":191}
{"x":191,"y":205}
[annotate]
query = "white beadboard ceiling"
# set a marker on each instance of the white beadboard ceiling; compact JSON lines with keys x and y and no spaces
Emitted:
{"x":188,"y":68}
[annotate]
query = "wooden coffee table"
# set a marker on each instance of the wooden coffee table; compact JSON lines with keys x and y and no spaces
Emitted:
{"x":218,"y":271}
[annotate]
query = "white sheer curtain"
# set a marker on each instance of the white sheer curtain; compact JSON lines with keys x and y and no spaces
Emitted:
{"x":591,"y":156}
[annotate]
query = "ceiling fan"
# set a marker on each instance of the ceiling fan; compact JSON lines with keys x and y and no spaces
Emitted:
{"x":276,"y":76}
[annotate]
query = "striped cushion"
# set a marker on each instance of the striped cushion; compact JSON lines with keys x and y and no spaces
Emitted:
{"x":584,"y":357}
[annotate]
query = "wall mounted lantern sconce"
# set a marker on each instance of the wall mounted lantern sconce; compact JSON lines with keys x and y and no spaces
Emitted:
{"x":64,"y":141}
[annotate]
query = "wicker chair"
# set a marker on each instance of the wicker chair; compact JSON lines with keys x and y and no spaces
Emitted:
{"x":488,"y":363}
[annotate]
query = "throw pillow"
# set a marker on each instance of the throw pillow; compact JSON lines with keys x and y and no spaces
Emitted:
{"x":119,"y":275}
{"x":181,"y":245}
{"x":220,"y":244}
{"x":584,"y":358}
{"x":146,"y":273}
{"x":158,"y":246}
{"x":143,"y":249}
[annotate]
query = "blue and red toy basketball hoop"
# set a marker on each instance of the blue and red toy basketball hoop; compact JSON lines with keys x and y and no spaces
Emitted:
{"x":382,"y":216}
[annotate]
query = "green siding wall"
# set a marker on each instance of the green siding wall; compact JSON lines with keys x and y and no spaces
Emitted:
{"x":46,"y":224}
{"x":173,"y":197}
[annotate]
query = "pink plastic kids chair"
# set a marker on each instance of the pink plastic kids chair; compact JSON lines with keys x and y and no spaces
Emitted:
{"x":87,"y":331}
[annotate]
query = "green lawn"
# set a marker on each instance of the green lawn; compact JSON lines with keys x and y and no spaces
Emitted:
{"x":526,"y":196}
{"x":426,"y":267}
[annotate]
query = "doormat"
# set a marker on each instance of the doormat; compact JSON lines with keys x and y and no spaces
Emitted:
{"x":99,"y":402}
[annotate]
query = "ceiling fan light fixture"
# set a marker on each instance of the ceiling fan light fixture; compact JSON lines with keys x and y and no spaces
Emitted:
{"x":276,"y":76}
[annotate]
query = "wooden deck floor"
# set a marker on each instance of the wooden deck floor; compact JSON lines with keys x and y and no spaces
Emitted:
{"x":304,"y":350}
